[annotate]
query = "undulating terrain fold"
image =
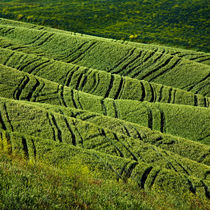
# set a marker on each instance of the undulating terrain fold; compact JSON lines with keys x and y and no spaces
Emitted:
{"x":134,"y":111}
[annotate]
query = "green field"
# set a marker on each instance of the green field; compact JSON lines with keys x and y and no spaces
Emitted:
{"x":172,"y":22}
{"x":96,"y":110}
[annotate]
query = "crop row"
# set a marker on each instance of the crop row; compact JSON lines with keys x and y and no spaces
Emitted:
{"x":30,"y":119}
{"x":186,"y":148}
{"x":148,"y":177}
{"x":115,"y":58}
{"x":98,"y":82}
{"x":167,"y":118}
{"x":182,"y":53}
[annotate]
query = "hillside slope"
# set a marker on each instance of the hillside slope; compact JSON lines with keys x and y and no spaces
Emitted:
{"x":182,"y":23}
{"x":132,"y":111}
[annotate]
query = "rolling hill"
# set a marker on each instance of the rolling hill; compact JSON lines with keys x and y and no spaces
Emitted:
{"x":132,"y":111}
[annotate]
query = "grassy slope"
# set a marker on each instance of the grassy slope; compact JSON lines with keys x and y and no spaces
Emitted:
{"x":181,"y":23}
{"x":76,"y":95}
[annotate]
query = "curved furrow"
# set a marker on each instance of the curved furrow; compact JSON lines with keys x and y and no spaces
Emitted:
{"x":129,"y":63}
{"x":37,"y":67}
{"x":74,"y":52}
{"x":124,"y":59}
{"x":110,"y":86}
{"x":30,"y":94}
{"x":103,"y":107}
{"x":8,"y":58}
{"x":79,"y":56}
{"x":120,"y":88}
{"x":20,"y":87}
{"x":37,"y":38}
{"x":138,"y":62}
{"x":205,"y":79}
{"x":45,"y":40}
{"x":166,"y":70}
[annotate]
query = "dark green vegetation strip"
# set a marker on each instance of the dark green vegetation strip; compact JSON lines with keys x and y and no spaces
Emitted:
{"x":174,"y":22}
{"x":135,"y":112}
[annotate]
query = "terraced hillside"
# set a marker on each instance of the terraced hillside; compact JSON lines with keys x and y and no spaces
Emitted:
{"x":134,"y":111}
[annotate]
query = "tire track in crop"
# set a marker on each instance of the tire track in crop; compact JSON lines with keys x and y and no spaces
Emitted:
{"x":160,"y":66}
{"x":127,"y":64}
{"x":130,"y":169}
{"x":8,"y":58}
{"x":25,"y":148}
{"x":166,"y":70}
{"x":130,"y":53}
{"x":153,"y":97}
{"x":153,"y":63}
{"x":79,"y":80}
{"x":169,"y":95}
{"x":207,"y":193}
{"x":115,"y":109}
{"x":110,"y":86}
{"x":160,"y":93}
{"x":162,"y":121}
{"x":197,"y":91}
{"x":138,"y":64}
{"x":103,"y":107}
{"x":61,"y":96}
{"x":84,"y":79}
{"x":7,"y":117}
{"x":202,"y":80}
{"x":148,"y":58}
{"x":203,"y":157}
{"x":119,"y":88}
{"x":75,"y":51}
{"x":131,"y":153}
{"x":2,"y":122}
{"x":20,"y":87}
{"x":79,"y":56}
{"x":28,"y":63}
{"x":97,"y":82}
{"x":154,"y":178}
{"x":38,"y":90}
{"x":51,"y":125}
{"x":73,"y":137}
{"x":37,"y":84}
{"x":45,"y":40}
{"x":117,"y":149}
{"x":56,"y":127}
{"x":143,"y":91}
{"x":69,"y":76}
{"x":191,"y":188}
{"x":73,"y":100}
{"x":34,"y":149}
{"x":150,"y":117}
{"x":195,"y":100}
{"x":145,"y":176}
{"x":138,"y":134}
{"x":86,"y":118}
{"x":39,"y":36}
{"x":37,"y":66}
